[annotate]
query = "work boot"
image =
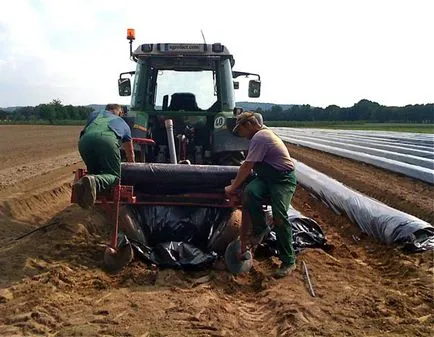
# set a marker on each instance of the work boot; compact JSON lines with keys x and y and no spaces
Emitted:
{"x":77,"y":191}
{"x":88,"y":195}
{"x":284,"y":270}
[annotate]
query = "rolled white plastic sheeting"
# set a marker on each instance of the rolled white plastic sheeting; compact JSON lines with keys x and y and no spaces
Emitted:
{"x":414,"y":171}
{"x":373,"y":217}
{"x":401,"y":157}
{"x":414,"y":150}
{"x":416,"y":140}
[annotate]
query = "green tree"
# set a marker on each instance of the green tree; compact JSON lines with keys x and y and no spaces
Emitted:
{"x":276,"y":113}
{"x":71,"y":112}
{"x":48,"y":112}
{"x":25,"y":112}
{"x":84,"y":112}
{"x":332,"y":112}
{"x":58,"y":109}
{"x":365,"y":110}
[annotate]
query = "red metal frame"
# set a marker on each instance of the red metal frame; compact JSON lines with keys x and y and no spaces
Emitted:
{"x":144,"y":141}
{"x":125,"y":195}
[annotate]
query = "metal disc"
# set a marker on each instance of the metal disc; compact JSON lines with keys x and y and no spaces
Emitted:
{"x":233,"y":263}
{"x":115,"y":260}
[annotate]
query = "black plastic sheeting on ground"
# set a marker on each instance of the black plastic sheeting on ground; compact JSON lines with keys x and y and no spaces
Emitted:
{"x":373,"y":217}
{"x":185,"y":237}
{"x":178,"y":255}
{"x":193,"y":225}
{"x":306,"y":233}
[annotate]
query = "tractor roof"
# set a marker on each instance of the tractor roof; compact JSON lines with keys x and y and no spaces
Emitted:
{"x":181,"y":50}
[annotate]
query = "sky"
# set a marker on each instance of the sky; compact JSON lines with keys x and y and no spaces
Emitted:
{"x":317,"y":52}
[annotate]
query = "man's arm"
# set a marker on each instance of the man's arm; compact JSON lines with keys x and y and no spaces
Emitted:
{"x":129,"y":150}
{"x":243,"y":172}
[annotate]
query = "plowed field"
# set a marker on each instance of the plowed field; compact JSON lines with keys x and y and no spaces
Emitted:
{"x":52,"y":282}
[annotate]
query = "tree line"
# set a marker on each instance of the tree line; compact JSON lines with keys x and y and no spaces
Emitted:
{"x":51,"y":112}
{"x":364,"y":110}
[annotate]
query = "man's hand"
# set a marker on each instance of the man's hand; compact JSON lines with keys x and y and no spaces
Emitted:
{"x":230,"y":190}
{"x":129,"y":151}
{"x":243,"y":172}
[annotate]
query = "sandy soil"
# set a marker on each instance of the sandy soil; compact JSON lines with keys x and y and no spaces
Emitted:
{"x":32,"y":150}
{"x":52,"y":282}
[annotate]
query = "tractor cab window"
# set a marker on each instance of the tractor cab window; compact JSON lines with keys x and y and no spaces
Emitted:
{"x":185,"y":90}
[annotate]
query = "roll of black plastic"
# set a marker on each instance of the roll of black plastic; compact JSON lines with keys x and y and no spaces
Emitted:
{"x":176,"y":178}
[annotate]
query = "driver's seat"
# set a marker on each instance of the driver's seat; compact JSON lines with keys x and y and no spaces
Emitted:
{"x":183,"y":101}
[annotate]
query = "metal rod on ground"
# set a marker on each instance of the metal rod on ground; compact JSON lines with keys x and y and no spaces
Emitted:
{"x":117,"y":198}
{"x":306,"y":272}
{"x":116,"y":257}
{"x":244,"y":232}
{"x":36,"y":229}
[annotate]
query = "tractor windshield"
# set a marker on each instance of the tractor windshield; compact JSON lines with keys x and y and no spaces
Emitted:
{"x":186,"y":90}
{"x":192,"y":84}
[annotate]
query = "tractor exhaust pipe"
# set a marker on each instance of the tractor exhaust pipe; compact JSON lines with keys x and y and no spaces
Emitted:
{"x":171,"y":140}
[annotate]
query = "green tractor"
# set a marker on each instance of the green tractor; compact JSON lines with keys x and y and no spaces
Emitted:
{"x":183,"y":103}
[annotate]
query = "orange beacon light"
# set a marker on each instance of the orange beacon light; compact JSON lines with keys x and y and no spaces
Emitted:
{"x":131,"y":34}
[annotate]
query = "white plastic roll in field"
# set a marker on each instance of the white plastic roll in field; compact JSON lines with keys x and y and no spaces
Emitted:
{"x":400,"y":157}
{"x":387,"y":224}
{"x":414,"y":171}
{"x":424,"y":142}
{"x":413,"y":150}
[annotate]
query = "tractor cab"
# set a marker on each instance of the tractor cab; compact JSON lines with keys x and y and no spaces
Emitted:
{"x":193,"y":86}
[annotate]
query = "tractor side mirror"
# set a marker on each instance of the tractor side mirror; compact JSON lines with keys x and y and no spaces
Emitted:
{"x":254,"y":88}
{"x":236,"y":85}
{"x":124,"y":86}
